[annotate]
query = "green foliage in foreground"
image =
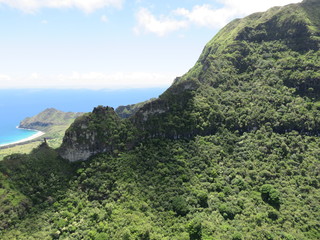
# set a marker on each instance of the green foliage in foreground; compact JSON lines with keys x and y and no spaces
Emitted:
{"x":258,"y":185}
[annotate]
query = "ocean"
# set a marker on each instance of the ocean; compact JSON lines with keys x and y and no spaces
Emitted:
{"x":15,"y":105}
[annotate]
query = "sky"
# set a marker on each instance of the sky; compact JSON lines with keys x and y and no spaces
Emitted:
{"x":109,"y":44}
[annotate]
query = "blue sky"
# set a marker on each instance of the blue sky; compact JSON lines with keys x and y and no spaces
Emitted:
{"x":109,"y":44}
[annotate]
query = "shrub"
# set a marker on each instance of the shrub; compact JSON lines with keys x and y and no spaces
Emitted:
{"x":195,"y":230}
{"x":180,"y":206}
{"x":228,"y":210}
{"x":270,"y":195}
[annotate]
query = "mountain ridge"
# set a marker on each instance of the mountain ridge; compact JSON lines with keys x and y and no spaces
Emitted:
{"x":278,"y":47}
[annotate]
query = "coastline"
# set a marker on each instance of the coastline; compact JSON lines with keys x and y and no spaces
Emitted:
{"x":34,"y":136}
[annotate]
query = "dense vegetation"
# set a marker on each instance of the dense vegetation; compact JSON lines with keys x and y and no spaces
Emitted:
{"x":230,"y":151}
{"x":246,"y":78}
{"x":259,"y":185}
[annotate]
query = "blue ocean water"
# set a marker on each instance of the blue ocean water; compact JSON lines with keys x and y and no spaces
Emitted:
{"x":10,"y":135}
{"x":15,"y":105}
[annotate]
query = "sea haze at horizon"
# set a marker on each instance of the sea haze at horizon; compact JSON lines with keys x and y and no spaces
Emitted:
{"x":15,"y":105}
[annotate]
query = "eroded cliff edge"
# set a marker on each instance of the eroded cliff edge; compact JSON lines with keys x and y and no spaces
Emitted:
{"x":101,"y":131}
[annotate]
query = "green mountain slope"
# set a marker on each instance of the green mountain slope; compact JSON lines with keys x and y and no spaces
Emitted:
{"x":263,"y":69}
{"x":251,"y":73}
{"x":48,"y":118}
{"x":229,"y":151}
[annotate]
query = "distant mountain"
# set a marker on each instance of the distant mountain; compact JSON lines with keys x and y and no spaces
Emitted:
{"x":48,"y":118}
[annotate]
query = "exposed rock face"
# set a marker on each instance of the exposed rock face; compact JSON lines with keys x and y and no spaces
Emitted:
{"x":97,"y":132}
{"x":80,"y":145}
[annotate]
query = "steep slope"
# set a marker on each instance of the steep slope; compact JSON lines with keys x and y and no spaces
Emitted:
{"x":101,"y":131}
{"x":31,"y":179}
{"x":257,"y":186}
{"x":248,"y":75}
{"x":260,"y":70}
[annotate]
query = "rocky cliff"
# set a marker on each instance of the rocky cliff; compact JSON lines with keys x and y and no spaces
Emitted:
{"x":97,"y":132}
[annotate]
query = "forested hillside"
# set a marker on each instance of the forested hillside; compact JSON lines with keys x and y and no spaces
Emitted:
{"x":230,"y":151}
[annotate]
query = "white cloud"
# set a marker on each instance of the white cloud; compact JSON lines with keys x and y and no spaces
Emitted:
{"x":92,"y":80}
{"x":206,"y":15}
{"x":44,"y":21}
{"x":104,"y":18}
{"x":161,"y":26}
{"x":4,"y":79}
{"x":203,"y":15}
{"x":87,"y":6}
{"x":35,"y":76}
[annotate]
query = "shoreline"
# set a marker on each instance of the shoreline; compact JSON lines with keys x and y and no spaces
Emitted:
{"x":34,"y":136}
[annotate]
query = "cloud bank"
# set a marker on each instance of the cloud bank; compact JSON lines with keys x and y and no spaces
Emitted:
{"x":92,"y":80}
{"x":87,"y":6}
{"x":161,"y":26}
